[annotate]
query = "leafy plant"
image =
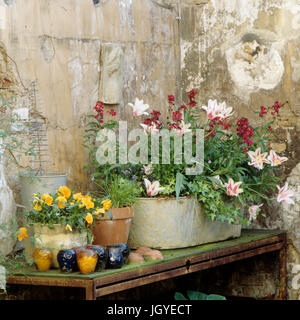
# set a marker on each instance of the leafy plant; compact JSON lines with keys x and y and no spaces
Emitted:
{"x":238,"y":172}
{"x":73,"y":210}
{"x":121,"y":192}
{"x":197,"y":295}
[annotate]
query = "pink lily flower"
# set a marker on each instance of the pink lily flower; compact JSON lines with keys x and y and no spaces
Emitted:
{"x":139,"y":107}
{"x":215,"y":110}
{"x":257,"y":159}
{"x":152,"y":188}
{"x":285,"y":195}
{"x":183,"y":128}
{"x":233,"y":188}
{"x":275,"y":159}
{"x":253,"y":211}
{"x":149,"y":129}
{"x":148,"y":169}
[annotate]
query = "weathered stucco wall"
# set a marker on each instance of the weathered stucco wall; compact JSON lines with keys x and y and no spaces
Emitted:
{"x":243,"y":52}
{"x":247,"y":54}
{"x":59,"y":44}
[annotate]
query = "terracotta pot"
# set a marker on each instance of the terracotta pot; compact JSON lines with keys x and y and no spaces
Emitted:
{"x":116,"y":230}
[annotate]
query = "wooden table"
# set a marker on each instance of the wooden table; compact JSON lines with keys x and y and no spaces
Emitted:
{"x":176,"y":263}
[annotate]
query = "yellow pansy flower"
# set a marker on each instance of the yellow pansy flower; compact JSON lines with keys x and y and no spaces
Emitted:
{"x":99,"y":211}
{"x":81,"y":205}
{"x":37,"y":207}
{"x":47,"y":198}
{"x":78,"y":196}
{"x":61,"y":199}
{"x":22,"y":234}
{"x":87,"y":201}
{"x":89,"y":218}
{"x":106,"y":204}
{"x":68,"y":227}
{"x":64,"y":191}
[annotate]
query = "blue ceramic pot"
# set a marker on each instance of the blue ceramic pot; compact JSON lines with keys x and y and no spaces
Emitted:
{"x":102,"y":257}
{"x":115,"y":257}
{"x":125,"y":251}
{"x":67,"y":260}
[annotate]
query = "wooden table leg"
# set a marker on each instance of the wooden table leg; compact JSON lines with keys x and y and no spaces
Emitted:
{"x":90,"y":291}
{"x":282,"y":270}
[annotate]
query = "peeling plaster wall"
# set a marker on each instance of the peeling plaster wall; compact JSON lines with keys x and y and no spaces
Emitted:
{"x":247,"y":54}
{"x":58,"y":42}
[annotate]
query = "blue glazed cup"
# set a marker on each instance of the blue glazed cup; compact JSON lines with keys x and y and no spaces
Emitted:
{"x":125,"y":251}
{"x":115,"y":257}
{"x":102,"y":256}
{"x":67,"y":260}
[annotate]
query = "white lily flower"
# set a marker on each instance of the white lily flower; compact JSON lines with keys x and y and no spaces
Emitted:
{"x":285,"y":195}
{"x":215,"y":110}
{"x":139,"y":107}
{"x":257,"y":159}
{"x":152,"y":188}
{"x":149,"y":129}
{"x":183,"y":128}
{"x":275,"y":159}
{"x":232,"y":188}
{"x":253,"y":211}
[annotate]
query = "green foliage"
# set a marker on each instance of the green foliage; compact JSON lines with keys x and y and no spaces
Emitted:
{"x":197,"y":295}
{"x":121,"y":192}
{"x":71,"y":210}
{"x":225,"y":156}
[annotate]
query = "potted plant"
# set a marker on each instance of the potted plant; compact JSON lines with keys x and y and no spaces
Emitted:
{"x":60,"y":220}
{"x":177,"y":209}
{"x":113,"y":223}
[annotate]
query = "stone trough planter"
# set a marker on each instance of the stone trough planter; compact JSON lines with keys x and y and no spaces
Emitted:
{"x":165,"y":223}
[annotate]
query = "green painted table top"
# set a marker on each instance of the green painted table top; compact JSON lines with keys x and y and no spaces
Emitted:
{"x":247,"y":236}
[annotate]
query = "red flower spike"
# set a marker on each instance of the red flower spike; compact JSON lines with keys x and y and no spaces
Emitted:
{"x":177,"y":116}
{"x":112,"y":112}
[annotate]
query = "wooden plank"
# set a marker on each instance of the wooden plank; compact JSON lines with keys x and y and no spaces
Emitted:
{"x":234,"y":257}
{"x":124,"y":285}
{"x":247,"y":246}
{"x":43,"y":281}
{"x":140,"y":281}
{"x":182,"y":262}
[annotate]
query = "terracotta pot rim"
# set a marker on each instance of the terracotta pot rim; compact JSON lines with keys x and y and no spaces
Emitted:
{"x":118,"y":214}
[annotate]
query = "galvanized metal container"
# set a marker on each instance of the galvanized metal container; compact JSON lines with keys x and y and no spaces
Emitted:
{"x":165,"y":223}
{"x":47,"y":182}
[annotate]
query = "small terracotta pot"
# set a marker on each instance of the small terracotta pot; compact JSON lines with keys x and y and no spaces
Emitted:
{"x":116,"y":230}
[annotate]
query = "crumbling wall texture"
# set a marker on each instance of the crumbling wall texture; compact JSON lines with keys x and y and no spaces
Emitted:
{"x":59,"y":44}
{"x":247,"y":54}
